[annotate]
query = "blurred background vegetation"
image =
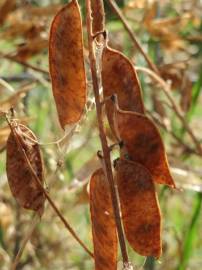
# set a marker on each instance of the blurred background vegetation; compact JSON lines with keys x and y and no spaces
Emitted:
{"x":170,"y":32}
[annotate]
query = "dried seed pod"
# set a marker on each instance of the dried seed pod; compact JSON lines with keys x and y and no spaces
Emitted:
{"x":66,"y":62}
{"x":144,"y":145}
{"x":140,"y":209}
{"x":103,"y":223}
{"x":98,"y":23}
{"x":119,"y":77}
{"x":22,"y":183}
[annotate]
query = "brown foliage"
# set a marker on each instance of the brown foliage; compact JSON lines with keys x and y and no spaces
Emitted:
{"x":7,"y":6}
{"x":67,"y":64}
{"x":31,"y":48}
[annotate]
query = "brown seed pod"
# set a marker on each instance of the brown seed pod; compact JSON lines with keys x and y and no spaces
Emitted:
{"x":22,"y":183}
{"x":98,"y":23}
{"x":119,"y":77}
{"x":144,"y":145}
{"x":140,"y":209}
{"x":66,"y":63}
{"x":103,"y":223}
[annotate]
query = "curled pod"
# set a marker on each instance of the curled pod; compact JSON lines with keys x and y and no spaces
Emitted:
{"x":66,"y":62}
{"x":23,"y":184}
{"x":139,"y":206}
{"x":144,"y":145}
{"x":103,"y":223}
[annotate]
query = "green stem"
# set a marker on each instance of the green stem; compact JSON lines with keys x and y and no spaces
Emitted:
{"x":187,"y":250}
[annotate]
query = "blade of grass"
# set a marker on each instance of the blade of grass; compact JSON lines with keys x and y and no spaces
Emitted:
{"x":191,"y":234}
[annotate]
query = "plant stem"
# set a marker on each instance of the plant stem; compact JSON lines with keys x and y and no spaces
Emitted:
{"x":25,"y":64}
{"x":103,"y":139}
{"x":32,"y":226}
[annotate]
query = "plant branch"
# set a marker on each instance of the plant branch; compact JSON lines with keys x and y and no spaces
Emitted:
{"x":32,"y":226}
{"x":7,"y":85}
{"x":118,"y":12}
{"x":57,"y":211}
{"x":103,"y":139}
{"x":165,"y":88}
{"x":35,"y":221}
{"x":23,"y":63}
{"x":186,"y":148}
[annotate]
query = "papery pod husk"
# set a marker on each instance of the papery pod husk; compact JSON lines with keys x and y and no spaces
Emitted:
{"x":66,"y":61}
{"x":144,"y":145}
{"x":119,"y":77}
{"x":141,"y":215}
{"x":23,"y":184}
{"x":103,"y":223}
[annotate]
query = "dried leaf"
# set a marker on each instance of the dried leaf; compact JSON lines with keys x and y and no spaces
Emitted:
{"x":7,"y":7}
{"x":119,"y":77}
{"x":150,"y":13}
{"x":133,"y":4}
{"x":173,"y":72}
{"x":144,"y":145}
{"x":15,"y":98}
{"x":167,"y":30}
{"x":29,"y":21}
{"x":21,"y":181}
{"x":103,"y":224}
{"x":31,"y":48}
{"x":27,"y":29}
{"x":140,"y":209}
{"x":67,"y":64}
{"x":41,"y":11}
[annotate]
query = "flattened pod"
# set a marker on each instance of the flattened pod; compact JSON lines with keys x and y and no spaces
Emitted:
{"x":66,"y":63}
{"x":21,"y":181}
{"x":119,"y":77}
{"x":144,"y":145}
{"x":103,"y":224}
{"x":140,"y":209}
